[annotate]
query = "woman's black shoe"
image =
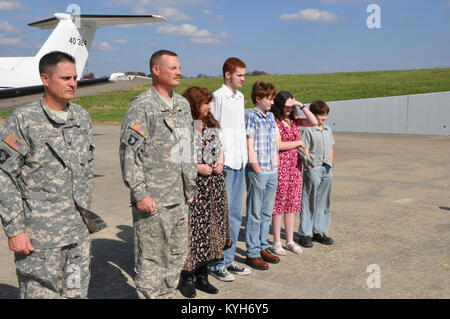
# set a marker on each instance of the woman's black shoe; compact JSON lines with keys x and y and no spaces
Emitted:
{"x":202,"y":283}
{"x":187,"y":286}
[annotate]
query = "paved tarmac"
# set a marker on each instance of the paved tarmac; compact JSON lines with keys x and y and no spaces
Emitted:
{"x":390,"y":208}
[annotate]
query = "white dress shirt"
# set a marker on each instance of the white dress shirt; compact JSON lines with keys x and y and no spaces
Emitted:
{"x":228,"y":108}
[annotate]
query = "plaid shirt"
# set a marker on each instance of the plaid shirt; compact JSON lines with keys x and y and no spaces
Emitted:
{"x":262,"y":128}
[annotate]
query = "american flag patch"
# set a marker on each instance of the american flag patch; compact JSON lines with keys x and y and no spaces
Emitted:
{"x":13,"y":142}
{"x":138,"y":128}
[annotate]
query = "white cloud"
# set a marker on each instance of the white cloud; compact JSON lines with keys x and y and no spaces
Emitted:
{"x":173,"y":14}
{"x":184,"y":30}
{"x":311,"y":15}
{"x":207,"y":12}
{"x":196,"y":35}
{"x":10,"y":41}
{"x":5,"y":26}
{"x":447,"y":5}
{"x":120,"y":41}
{"x":105,"y":46}
{"x":10,"y":5}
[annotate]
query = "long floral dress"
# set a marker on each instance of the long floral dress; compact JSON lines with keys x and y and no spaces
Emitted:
{"x":209,"y":233}
{"x":289,"y":191}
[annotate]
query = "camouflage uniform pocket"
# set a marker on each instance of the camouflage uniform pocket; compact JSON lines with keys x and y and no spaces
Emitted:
{"x":156,"y":224}
{"x":34,"y":268}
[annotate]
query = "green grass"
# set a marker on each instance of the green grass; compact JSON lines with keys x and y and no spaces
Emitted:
{"x":112,"y":106}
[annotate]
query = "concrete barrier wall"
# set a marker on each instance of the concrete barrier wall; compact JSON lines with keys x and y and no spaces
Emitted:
{"x":406,"y":114}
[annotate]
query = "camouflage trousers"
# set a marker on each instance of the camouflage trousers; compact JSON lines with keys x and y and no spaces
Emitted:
{"x":160,"y":246}
{"x":55,"y":273}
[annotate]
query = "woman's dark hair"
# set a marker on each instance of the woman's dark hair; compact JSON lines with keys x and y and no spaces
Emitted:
{"x":196,"y":97}
{"x":278,"y":106}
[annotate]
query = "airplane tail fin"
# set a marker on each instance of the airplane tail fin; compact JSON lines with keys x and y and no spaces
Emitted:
{"x":74,"y":34}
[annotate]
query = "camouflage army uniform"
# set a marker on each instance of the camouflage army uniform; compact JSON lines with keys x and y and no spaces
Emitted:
{"x":157,"y":159}
{"x":46,"y":174}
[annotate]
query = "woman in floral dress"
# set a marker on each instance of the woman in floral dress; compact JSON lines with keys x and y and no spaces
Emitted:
{"x":289,"y":191}
{"x":209,"y":233}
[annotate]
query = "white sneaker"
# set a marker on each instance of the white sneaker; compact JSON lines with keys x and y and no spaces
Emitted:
{"x":222,"y":274}
{"x":238,"y":270}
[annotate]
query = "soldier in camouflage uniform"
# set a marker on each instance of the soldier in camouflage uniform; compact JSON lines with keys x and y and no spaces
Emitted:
{"x":46,"y":173}
{"x":158,"y":165}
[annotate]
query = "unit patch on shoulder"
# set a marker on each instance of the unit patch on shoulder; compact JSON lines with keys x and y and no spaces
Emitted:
{"x":132,"y":140}
{"x":13,"y":142}
{"x":138,"y":128}
{"x":4,"y":155}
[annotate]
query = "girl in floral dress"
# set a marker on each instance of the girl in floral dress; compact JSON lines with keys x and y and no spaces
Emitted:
{"x":209,"y":233}
{"x":289,"y":191}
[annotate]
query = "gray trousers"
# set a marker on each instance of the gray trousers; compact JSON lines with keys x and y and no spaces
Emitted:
{"x":55,"y":273}
{"x":160,"y":246}
{"x":316,"y":200}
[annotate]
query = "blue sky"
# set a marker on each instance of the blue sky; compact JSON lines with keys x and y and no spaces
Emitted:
{"x":279,"y":37}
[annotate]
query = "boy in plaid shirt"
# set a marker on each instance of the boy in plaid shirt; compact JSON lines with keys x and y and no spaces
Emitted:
{"x":261,"y":175}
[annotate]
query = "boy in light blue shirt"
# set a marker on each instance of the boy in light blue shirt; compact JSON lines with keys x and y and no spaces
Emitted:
{"x":261,"y":175}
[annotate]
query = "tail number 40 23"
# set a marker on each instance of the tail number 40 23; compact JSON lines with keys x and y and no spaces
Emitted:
{"x":78,"y":41}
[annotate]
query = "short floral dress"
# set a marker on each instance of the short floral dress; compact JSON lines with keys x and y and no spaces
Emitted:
{"x":209,"y":232}
{"x":289,"y":191}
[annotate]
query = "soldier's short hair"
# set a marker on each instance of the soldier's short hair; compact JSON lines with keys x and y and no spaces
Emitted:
{"x":155,"y":58}
{"x":49,"y":62}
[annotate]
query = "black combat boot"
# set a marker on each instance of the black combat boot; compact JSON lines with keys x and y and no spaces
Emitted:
{"x":186,"y":285}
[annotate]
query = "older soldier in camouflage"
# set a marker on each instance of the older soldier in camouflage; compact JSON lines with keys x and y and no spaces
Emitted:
{"x":158,"y":165}
{"x":46,"y":173}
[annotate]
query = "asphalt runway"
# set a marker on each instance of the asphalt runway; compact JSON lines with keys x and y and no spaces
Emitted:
{"x":10,"y":103}
{"x":390,"y":222}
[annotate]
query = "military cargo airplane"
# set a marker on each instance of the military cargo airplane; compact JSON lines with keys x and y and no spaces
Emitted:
{"x":72,"y":34}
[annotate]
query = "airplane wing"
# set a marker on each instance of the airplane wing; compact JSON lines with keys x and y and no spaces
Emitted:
{"x":87,"y":87}
{"x":27,"y":90}
{"x":98,"y":21}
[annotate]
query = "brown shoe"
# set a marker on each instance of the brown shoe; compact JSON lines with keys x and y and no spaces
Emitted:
{"x":257,"y":263}
{"x":269,"y":257}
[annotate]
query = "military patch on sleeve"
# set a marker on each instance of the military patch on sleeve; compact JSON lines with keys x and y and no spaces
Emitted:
{"x":13,"y":142}
{"x":4,"y":155}
{"x":132,"y":139}
{"x":138,"y":129}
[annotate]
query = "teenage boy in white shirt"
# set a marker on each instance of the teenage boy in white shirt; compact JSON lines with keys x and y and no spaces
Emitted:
{"x":228,"y":108}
